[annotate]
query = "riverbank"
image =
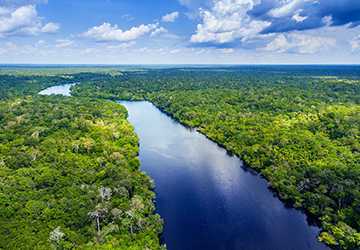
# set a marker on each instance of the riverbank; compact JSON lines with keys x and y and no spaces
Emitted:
{"x":300,"y":132}
{"x":214,"y":189}
{"x":70,"y":177}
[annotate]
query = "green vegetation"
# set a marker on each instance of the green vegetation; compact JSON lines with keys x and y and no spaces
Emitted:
{"x":20,"y":85}
{"x":57,"y":70}
{"x":69,"y":165}
{"x":299,"y":130}
{"x":311,"y":157}
{"x":70,"y":177}
{"x":12,"y":86}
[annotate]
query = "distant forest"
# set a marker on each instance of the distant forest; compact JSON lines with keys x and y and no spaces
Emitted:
{"x":69,"y":172}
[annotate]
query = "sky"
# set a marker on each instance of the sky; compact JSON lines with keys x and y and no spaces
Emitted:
{"x":180,"y":31}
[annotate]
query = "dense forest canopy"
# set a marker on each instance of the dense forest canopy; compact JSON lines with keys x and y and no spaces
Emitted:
{"x":18,"y":83}
{"x":67,"y":162}
{"x":70,"y":177}
{"x":299,"y":126}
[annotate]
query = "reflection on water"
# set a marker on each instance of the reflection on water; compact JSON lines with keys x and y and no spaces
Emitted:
{"x":208,"y":201}
{"x":58,"y":90}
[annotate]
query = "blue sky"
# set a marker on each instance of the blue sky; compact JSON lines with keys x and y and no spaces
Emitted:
{"x":179,"y":31}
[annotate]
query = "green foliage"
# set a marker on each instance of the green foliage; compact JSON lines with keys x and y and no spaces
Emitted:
{"x":69,"y":168}
{"x":302,"y":132}
{"x":70,"y":179}
{"x":311,"y":155}
{"x":51,"y":71}
{"x":11,"y":85}
{"x":19,"y":83}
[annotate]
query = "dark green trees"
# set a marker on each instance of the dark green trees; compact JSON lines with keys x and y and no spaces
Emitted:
{"x":70,"y":177}
{"x":296,"y":125}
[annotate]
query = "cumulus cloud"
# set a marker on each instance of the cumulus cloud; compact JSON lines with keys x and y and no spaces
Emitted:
{"x":107,"y":32}
{"x":50,"y":28}
{"x":171,"y":17}
{"x":298,"y":18}
{"x":299,"y":43}
{"x":227,"y":21}
{"x":23,"y":20}
{"x":291,"y":15}
{"x":158,"y":31}
{"x":251,"y":23}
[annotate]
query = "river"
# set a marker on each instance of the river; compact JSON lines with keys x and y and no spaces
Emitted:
{"x":58,"y":90}
{"x":206,"y":197}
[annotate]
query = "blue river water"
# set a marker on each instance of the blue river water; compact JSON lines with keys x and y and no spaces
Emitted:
{"x":206,"y":197}
{"x":58,"y":90}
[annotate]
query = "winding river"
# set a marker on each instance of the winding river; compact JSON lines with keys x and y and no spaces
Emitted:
{"x":206,"y":197}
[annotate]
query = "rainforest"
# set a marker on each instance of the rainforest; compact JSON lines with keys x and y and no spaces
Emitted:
{"x":69,"y":166}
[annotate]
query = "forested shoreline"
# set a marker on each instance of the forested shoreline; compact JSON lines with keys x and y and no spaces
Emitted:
{"x":69,"y":172}
{"x":300,"y":131}
{"x":298,"y":127}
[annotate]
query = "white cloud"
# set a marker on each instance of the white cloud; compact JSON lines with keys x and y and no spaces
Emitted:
{"x":171,"y":17}
{"x":279,"y":44}
{"x":299,"y":43}
{"x":327,"y":20}
{"x":158,"y":31}
{"x":298,"y":18}
{"x":200,"y":51}
{"x":227,"y":50}
{"x":355,"y":43}
{"x":63,"y":43}
{"x":23,"y":20}
{"x":227,"y":21}
{"x":4,"y":11}
{"x":122,"y":45}
{"x":13,"y":49}
{"x":50,"y":28}
{"x":108,"y":32}
{"x":289,"y":7}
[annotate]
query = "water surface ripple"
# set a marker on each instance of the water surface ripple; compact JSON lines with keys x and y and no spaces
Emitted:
{"x":208,"y":201}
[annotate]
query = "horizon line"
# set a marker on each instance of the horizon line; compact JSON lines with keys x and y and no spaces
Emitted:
{"x":180,"y":64}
